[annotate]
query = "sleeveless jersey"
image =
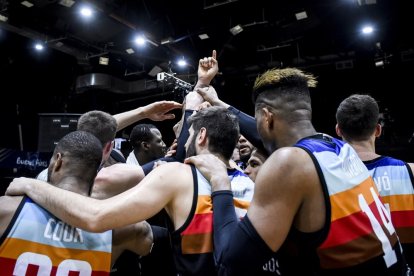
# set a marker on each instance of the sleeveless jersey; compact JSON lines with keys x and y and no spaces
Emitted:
{"x":193,"y":242}
{"x":360,"y":231}
{"x":38,"y":243}
{"x":394,"y":180}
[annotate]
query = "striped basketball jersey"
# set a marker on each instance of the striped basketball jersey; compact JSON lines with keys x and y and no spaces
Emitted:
{"x":38,"y":243}
{"x":358,"y":234}
{"x":193,"y":242}
{"x":394,"y":180}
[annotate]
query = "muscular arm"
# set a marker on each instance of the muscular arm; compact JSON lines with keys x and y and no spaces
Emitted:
{"x":156,"y":191}
{"x":116,"y":179}
{"x":8,"y":206}
{"x":278,"y":194}
{"x":183,"y":137}
{"x":157,"y":111}
{"x":137,"y":238}
{"x":192,"y":101}
{"x":148,"y":167}
{"x":282,"y":185}
{"x":248,"y":127}
{"x":247,"y":123}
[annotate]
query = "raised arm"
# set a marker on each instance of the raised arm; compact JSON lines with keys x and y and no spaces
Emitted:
{"x":207,"y":70}
{"x":247,"y":123}
{"x":157,"y":111}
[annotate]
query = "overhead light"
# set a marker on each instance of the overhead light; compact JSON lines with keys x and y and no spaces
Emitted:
{"x":3,"y":18}
{"x":67,"y":3}
{"x":39,"y":46}
{"x":236,"y":30}
{"x":367,"y":30}
{"x":130,"y":51}
{"x":27,"y":4}
{"x":103,"y":60}
{"x":301,"y":15}
{"x":167,"y":40}
{"x":181,"y":62}
{"x":203,"y":36}
{"x":86,"y":12}
{"x":140,"y":40}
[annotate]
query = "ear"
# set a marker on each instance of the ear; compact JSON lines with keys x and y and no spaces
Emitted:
{"x":107,"y":148}
{"x":145,"y":145}
{"x":202,"y":136}
{"x":378,"y":130}
{"x":338,"y":131}
{"x":268,"y":118}
{"x":58,"y":162}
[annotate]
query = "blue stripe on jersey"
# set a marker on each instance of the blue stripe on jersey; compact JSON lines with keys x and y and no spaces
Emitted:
{"x":390,"y":175}
{"x":56,"y":233}
{"x":338,"y":161}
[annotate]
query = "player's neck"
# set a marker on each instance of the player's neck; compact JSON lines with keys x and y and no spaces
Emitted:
{"x":74,"y":184}
{"x":365,"y":150}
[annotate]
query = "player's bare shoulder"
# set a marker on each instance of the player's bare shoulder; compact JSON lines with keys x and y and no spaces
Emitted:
{"x":8,"y":206}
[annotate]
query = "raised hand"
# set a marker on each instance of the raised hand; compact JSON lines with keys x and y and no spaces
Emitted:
{"x":207,"y":69}
{"x":213,"y":169}
{"x":158,"y":111}
{"x":172,"y":150}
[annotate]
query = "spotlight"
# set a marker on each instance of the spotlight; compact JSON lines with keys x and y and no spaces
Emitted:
{"x":140,"y":40}
{"x":39,"y":46}
{"x":236,"y":29}
{"x":182,"y":62}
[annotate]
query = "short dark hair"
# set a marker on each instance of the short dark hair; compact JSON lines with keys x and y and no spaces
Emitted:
{"x":285,"y":80}
{"x":222,"y":129}
{"x":84,"y":151}
{"x":141,"y":133}
{"x":286,"y":90}
{"x":357,"y":116}
{"x":101,"y":124}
